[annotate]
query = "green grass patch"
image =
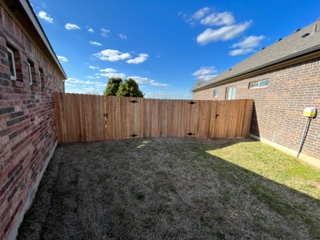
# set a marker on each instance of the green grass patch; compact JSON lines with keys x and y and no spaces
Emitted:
{"x":273,"y":164}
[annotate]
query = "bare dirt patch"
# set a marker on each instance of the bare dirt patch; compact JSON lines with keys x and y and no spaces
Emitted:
{"x":163,"y":188}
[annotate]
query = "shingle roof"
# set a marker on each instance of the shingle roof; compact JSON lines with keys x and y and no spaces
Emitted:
{"x":298,"y":43}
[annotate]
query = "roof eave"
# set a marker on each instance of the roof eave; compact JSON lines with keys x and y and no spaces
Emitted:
{"x":29,"y":21}
{"x":28,"y":8}
{"x":299,"y":56}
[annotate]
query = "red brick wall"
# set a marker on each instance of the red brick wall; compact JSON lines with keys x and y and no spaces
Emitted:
{"x":278,"y":108}
{"x":27,"y":122}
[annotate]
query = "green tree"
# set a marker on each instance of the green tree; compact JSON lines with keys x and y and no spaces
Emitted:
{"x":129,"y":88}
{"x":112,"y":86}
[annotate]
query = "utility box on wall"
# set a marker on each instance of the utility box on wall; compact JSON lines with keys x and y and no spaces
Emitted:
{"x":310,"y":112}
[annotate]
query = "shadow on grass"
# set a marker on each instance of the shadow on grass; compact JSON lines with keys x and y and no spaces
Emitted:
{"x":163,"y":188}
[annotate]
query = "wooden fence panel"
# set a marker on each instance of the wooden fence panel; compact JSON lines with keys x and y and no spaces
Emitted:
{"x":79,"y":118}
{"x":82,"y":118}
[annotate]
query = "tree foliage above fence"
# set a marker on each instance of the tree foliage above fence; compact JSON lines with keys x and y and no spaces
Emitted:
{"x":127,"y":88}
{"x":112,"y":87}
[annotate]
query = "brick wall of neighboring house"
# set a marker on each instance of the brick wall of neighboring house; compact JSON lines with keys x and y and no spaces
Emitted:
{"x":278,"y":108}
{"x":27,"y":122}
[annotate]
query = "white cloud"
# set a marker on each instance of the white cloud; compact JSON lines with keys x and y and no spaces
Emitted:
{"x":223,"y":33}
{"x":249,"y":42}
{"x":104,"y":32}
{"x":201,"y":13}
{"x":75,"y":85}
{"x":112,"y":75}
{"x":93,"y":67}
{"x":108,"y":70}
{"x":115,"y":55}
{"x":228,"y":28}
{"x":240,"y":51}
{"x":95,"y":43}
{"x":144,"y":80}
{"x":207,"y":16}
{"x":62,"y":59}
{"x":90,"y":30}
{"x":195,"y":17}
{"x":84,"y":82}
{"x":76,"y":80}
{"x":43,"y":15}
{"x":140,"y":59}
{"x":247,"y":45}
{"x":205,"y":73}
{"x":159,"y":84}
{"x":112,"y":55}
{"x":71,"y":26}
{"x":218,"y":19}
{"x":141,"y":79}
{"x":122,"y":36}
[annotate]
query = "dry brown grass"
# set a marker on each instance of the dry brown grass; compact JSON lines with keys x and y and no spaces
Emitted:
{"x":163,"y":189}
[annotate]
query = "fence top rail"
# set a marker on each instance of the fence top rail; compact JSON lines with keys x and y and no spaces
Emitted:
{"x":159,"y":99}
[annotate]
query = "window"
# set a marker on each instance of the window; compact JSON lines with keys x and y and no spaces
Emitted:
{"x":231,"y":93}
{"x":14,"y":61}
{"x":12,"y":64}
{"x":259,"y":84}
{"x":264,"y":83}
{"x":30,"y":66}
{"x":215,"y":93}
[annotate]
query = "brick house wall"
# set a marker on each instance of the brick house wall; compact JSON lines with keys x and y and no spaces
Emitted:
{"x":278,"y":108}
{"x":27,"y":122}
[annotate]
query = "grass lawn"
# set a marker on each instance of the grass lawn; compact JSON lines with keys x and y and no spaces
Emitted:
{"x":171,"y":188}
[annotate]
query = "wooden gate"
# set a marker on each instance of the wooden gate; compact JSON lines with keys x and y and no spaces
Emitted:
{"x":82,"y":118}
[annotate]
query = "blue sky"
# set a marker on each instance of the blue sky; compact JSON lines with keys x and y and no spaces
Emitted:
{"x":164,"y":45}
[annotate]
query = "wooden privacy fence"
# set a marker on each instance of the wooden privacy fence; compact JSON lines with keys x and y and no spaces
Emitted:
{"x":82,"y":118}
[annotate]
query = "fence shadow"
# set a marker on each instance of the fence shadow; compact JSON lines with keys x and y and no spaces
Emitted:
{"x":254,"y":126}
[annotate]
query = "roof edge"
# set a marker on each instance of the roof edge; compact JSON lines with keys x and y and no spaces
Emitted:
{"x":33,"y":18}
{"x":274,"y":63}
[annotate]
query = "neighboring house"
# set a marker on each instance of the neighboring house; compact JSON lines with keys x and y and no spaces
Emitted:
{"x":283,"y":79}
{"x":29,"y":73}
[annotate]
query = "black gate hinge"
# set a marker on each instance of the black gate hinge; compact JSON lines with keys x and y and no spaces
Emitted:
{"x":189,"y":133}
{"x":133,"y":101}
{"x":133,"y":135}
{"x":192,"y":102}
